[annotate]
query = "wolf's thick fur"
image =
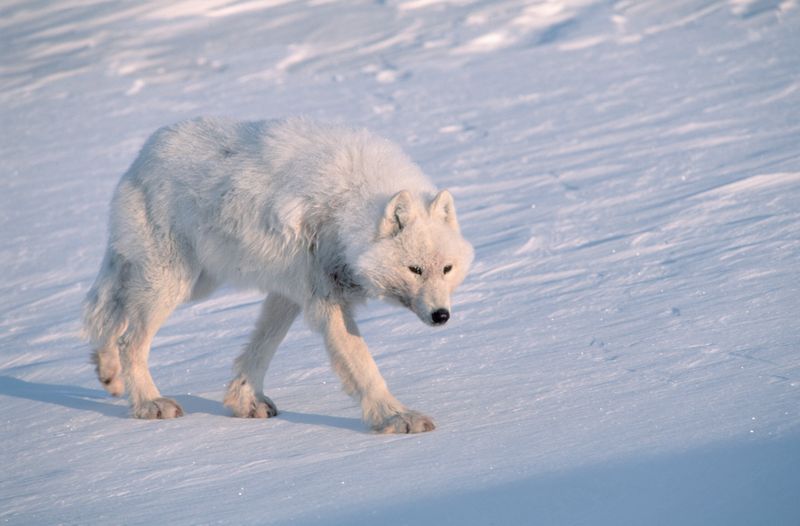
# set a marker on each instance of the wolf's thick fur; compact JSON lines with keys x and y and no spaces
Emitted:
{"x":320,"y":217}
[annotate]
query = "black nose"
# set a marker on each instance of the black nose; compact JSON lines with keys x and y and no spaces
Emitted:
{"x":440,"y":316}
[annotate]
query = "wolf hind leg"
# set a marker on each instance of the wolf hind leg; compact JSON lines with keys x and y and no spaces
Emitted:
{"x":149,"y":308}
{"x":123,"y":310}
{"x":153,"y":288}
{"x":245,"y":395}
{"x":104,"y":319}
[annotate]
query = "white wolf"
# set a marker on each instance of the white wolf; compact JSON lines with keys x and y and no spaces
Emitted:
{"x":318,"y":216}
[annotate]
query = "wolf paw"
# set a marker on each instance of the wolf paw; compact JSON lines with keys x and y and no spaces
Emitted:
{"x":160,"y":408}
{"x":109,"y":372}
{"x":259,"y":407}
{"x":262,"y":407}
{"x":405,"y":422}
{"x":115,"y":385}
{"x":246,"y":403}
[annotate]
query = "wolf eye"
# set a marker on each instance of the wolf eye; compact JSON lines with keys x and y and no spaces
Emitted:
{"x":415,"y":269}
{"x":447,"y":268}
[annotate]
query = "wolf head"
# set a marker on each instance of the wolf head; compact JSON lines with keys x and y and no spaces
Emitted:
{"x":418,"y":256}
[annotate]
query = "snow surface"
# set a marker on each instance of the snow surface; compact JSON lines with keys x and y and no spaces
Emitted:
{"x":624,"y":352}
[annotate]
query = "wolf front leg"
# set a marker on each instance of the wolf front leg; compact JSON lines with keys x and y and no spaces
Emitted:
{"x":245,"y":395}
{"x":360,"y":377}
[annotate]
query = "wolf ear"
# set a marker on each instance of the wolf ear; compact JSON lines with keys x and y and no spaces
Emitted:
{"x":444,"y":208}
{"x":398,"y":213}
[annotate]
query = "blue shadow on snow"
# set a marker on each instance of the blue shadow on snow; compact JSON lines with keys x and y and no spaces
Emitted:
{"x":84,"y":399}
{"x":743,"y":483}
{"x":70,"y":396}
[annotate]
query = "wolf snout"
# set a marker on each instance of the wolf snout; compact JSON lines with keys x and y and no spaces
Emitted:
{"x":440,"y":316}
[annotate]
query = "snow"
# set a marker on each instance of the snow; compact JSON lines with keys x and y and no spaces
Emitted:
{"x":625,"y":350}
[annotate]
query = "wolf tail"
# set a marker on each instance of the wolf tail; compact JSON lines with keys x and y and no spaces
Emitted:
{"x":103,"y":309}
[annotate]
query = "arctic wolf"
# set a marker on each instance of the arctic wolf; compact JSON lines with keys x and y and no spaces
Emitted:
{"x":319,"y":217}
